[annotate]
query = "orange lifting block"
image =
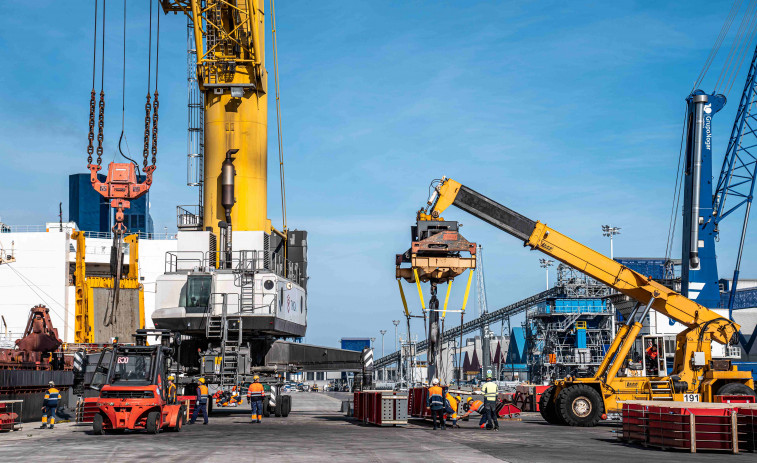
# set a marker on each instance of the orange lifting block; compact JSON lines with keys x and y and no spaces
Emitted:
{"x":120,"y":186}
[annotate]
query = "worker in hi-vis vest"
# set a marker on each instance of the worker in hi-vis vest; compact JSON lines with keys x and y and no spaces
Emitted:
{"x":202,"y":402}
{"x":50,"y":405}
{"x":171,"y":396}
{"x":473,"y":406}
{"x":450,"y":403}
{"x":435,"y":402}
{"x":255,"y":394}
{"x":489,"y":389}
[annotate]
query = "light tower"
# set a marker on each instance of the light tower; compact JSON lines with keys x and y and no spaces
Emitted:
{"x":396,"y":326}
{"x":383,"y":332}
{"x":482,"y":310}
{"x":610,"y":231}
{"x":546,"y":264}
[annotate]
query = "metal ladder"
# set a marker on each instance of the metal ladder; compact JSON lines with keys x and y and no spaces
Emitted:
{"x":214,"y":328}
{"x":244,"y":277}
{"x":247,"y":297}
{"x":230,"y":344}
{"x":660,"y":390}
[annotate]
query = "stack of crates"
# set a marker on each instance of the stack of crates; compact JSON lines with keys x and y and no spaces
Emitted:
{"x":691,"y":426}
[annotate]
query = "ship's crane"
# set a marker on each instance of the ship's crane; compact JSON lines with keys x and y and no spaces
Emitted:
{"x":584,"y":401}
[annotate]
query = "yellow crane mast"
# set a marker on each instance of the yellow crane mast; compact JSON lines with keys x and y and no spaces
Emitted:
{"x":584,"y":401}
{"x":229,"y":39}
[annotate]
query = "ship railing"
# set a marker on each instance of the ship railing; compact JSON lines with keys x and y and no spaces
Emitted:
{"x":4,"y":228}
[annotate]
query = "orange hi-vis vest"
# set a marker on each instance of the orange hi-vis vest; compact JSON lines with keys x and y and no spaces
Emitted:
{"x":476,"y":406}
{"x":256,"y":391}
{"x":202,"y":394}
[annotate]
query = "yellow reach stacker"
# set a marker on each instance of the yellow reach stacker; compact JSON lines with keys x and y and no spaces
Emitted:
{"x":584,"y":401}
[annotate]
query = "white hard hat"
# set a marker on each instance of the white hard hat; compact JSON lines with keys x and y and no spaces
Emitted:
{"x":435,"y":381}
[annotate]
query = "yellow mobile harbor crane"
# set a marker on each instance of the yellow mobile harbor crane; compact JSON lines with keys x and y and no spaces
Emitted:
{"x":584,"y":401}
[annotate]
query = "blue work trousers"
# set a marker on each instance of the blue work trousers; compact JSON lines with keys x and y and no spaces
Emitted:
{"x":489,"y":415}
{"x":198,"y":407}
{"x":257,"y":409}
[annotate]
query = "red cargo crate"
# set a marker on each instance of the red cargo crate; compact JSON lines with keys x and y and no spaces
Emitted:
{"x":681,"y":425}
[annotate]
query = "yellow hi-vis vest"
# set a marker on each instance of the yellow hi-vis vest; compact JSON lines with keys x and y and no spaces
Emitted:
{"x":490,"y":391}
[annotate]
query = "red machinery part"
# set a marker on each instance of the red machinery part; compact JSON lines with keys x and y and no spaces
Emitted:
{"x":527,"y":397}
{"x":734,"y":399}
{"x":39,"y":336}
{"x":508,"y":410}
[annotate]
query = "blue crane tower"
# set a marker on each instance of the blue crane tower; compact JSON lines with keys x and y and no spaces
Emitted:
{"x":707,"y":204}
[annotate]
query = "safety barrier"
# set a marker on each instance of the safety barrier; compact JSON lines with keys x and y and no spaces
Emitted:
{"x":691,"y":426}
{"x":381,"y":408}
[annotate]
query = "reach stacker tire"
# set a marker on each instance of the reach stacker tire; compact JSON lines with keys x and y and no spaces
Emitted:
{"x":152,"y":426}
{"x":580,"y":405}
{"x":286,"y":405}
{"x":736,"y":389}
{"x":547,"y":407}
{"x":97,"y":425}
{"x":266,"y":407}
{"x":277,"y":408}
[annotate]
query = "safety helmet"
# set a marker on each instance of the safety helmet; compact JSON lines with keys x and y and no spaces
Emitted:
{"x":469,"y":399}
{"x":201,"y":380}
{"x":458,"y":398}
{"x":256,"y":378}
{"x":171,"y":378}
{"x":51,"y":384}
{"x":435,"y":381}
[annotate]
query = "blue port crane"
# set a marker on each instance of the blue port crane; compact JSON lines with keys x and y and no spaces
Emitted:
{"x":737,"y":176}
{"x":706,"y":205}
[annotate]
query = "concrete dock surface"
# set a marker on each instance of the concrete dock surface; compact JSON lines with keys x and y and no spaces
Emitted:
{"x":317,"y":431}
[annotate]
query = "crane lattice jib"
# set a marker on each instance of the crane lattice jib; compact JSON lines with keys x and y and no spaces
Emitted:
{"x":737,"y":176}
{"x":227,"y":38}
{"x":537,"y":235}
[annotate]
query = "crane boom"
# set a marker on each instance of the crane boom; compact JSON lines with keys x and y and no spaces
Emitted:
{"x":538,"y":235}
{"x":694,"y":371}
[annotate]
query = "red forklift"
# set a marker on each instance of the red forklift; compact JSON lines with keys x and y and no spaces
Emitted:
{"x":133,"y":385}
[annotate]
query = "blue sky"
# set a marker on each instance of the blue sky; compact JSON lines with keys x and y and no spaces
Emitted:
{"x":569,"y":113}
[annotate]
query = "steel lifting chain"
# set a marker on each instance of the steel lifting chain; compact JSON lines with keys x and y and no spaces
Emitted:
{"x":154,"y":129}
{"x":91,"y":136}
{"x":146,"y":148}
{"x":100,"y":127}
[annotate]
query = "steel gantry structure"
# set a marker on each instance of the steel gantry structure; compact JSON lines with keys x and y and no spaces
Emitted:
{"x":479,"y":323}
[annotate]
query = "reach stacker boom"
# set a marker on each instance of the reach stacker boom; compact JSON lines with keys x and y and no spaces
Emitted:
{"x":584,"y":401}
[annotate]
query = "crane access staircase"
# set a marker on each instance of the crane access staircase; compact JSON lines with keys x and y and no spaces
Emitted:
{"x":228,"y":330}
